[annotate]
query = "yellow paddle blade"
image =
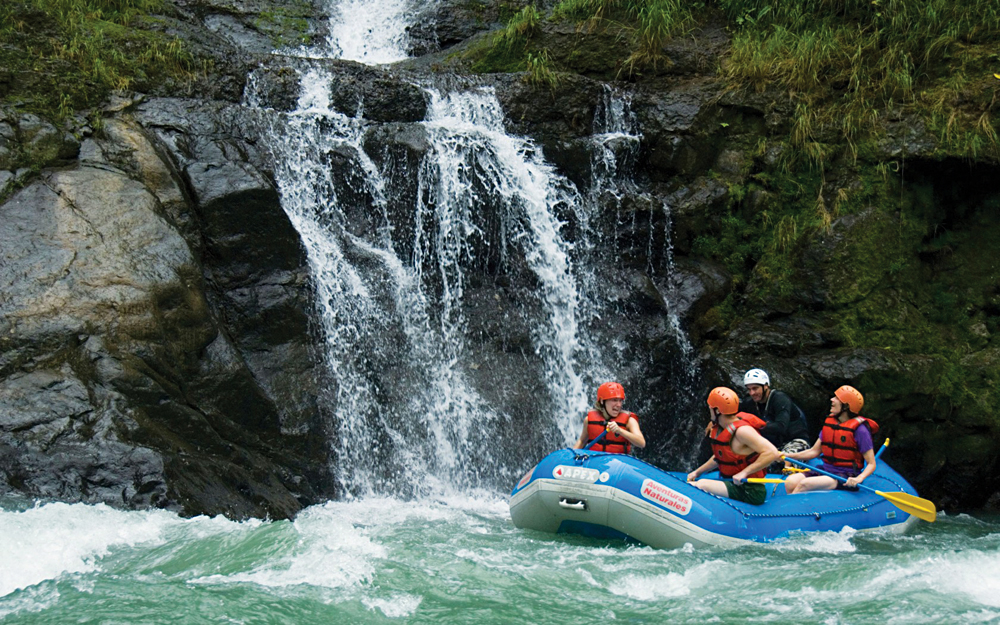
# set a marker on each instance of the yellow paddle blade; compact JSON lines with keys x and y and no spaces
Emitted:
{"x":920,"y":508}
{"x":765,"y":480}
{"x":793,"y":470}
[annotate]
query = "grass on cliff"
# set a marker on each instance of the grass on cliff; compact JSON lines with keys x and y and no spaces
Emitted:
{"x":63,"y":55}
{"x":652,"y":24}
{"x":848,"y":64}
{"x":645,"y":26}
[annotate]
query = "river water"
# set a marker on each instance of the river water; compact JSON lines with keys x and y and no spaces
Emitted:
{"x":460,"y":560}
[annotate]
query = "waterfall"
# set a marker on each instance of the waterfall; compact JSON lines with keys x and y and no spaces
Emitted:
{"x":616,"y":140}
{"x":407,"y":418}
{"x":412,"y":410}
{"x":369,"y":32}
{"x":616,"y":146}
{"x":472,"y":152}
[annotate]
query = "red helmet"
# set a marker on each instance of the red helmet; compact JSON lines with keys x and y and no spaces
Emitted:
{"x":725,"y":400}
{"x":610,"y":390}
{"x":849,"y":395}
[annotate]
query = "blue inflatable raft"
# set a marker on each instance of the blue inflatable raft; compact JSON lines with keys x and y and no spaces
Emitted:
{"x":617,"y":496}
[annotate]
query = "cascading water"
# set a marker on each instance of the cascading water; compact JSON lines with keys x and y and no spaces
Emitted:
{"x":617,"y":138}
{"x":616,"y":142}
{"x":433,"y":423}
{"x":369,"y":32}
{"x":471,"y":157}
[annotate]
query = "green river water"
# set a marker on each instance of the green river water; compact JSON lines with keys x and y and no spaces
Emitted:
{"x":461,"y":560}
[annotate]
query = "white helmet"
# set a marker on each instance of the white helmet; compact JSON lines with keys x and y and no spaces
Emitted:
{"x":756,"y":376}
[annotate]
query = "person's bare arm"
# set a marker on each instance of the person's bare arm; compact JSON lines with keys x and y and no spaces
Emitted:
{"x":767,"y":452}
{"x":710,"y":465}
{"x":630,"y":432}
{"x":582,"y":441}
{"x":869,"y":469}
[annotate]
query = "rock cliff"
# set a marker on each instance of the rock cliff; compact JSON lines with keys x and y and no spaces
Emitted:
{"x":156,"y":347}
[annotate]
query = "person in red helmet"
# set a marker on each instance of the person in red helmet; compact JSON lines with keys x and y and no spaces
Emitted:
{"x":622,"y":427}
{"x":738,"y":450}
{"x":845,"y":443}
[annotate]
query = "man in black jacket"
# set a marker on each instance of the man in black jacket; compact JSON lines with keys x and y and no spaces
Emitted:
{"x":786,"y":423}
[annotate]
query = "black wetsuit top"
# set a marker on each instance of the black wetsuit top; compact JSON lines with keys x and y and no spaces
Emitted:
{"x":785,"y":420}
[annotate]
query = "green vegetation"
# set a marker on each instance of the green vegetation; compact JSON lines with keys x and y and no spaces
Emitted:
{"x":847,"y":64}
{"x":645,"y":26}
{"x":65,"y":55}
{"x":651,"y":23}
{"x":287,"y":25}
{"x":509,"y":49}
{"x":540,"y":72}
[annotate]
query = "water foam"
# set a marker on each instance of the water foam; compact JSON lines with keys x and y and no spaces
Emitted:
{"x":973,"y":574}
{"x":820,"y":542}
{"x":329,"y":553}
{"x":396,"y":606}
{"x":51,"y":540}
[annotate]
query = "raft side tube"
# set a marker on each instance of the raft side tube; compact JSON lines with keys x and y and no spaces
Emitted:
{"x":615,"y":496}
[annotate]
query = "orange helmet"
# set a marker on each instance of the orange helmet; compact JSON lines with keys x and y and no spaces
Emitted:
{"x":725,"y":400}
{"x":849,"y":395}
{"x":610,"y":390}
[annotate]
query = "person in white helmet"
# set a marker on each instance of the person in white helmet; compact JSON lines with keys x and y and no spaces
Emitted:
{"x":786,"y":423}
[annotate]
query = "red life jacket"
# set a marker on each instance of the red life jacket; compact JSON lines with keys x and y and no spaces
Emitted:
{"x":837,"y":441}
{"x":730,"y":463}
{"x":612,"y":442}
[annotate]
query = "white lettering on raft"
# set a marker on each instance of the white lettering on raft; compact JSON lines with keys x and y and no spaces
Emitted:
{"x":575,"y":474}
{"x":669,"y":499}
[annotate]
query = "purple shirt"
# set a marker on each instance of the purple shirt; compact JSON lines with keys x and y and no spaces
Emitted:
{"x":863,"y":439}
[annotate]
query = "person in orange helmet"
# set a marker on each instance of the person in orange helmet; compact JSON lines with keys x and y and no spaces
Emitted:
{"x":845,"y":443}
{"x":738,"y":450}
{"x":607,"y":416}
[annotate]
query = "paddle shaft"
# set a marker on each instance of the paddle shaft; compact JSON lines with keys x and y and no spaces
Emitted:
{"x":809,"y":467}
{"x":911,"y":504}
{"x":839,"y":478}
{"x":596,"y":440}
{"x":882,"y":448}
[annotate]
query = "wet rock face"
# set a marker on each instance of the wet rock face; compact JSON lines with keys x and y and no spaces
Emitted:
{"x":378,"y":95}
{"x":442,"y":25}
{"x":155,"y":346}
